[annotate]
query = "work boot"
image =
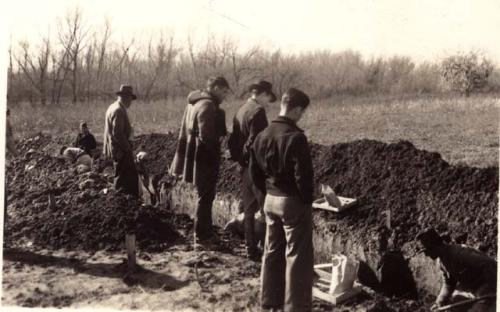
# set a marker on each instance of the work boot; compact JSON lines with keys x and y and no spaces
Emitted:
{"x":207,"y":239}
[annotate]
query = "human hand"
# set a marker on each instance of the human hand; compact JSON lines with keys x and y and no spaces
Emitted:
{"x":436,"y":306}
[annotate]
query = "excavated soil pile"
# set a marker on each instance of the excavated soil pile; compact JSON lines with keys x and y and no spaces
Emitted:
{"x":85,"y":212}
{"x":161,"y":151}
{"x":418,"y":187}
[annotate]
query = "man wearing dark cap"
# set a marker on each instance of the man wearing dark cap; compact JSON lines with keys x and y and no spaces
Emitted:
{"x":281,"y":168}
{"x":117,"y":146}
{"x":464,"y":268}
{"x":85,"y":140}
{"x":249,"y":121}
{"x":197,"y":158}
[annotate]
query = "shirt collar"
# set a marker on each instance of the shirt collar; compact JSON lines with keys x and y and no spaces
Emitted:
{"x":254,"y":101}
{"x":121,"y":104}
{"x":288,"y":121}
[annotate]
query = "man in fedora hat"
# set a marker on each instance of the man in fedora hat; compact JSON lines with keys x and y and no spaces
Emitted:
{"x":281,"y":168}
{"x":117,"y":132}
{"x":197,"y":157}
{"x":250,"y":120}
{"x":464,"y":268}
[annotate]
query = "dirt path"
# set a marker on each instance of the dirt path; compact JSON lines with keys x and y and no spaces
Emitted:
{"x":39,"y":277}
{"x":34,"y":277}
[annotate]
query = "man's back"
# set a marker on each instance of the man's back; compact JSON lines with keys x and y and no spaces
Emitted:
{"x":117,"y":130}
{"x":467,"y":266}
{"x":282,"y":154}
{"x":249,"y":121}
{"x":245,"y":115}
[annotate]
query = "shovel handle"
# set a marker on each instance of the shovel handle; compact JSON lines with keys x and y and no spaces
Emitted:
{"x":465,"y":302}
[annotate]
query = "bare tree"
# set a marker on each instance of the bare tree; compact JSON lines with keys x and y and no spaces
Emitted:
{"x":89,"y":69}
{"x":72,"y":34}
{"x":35,"y":68}
{"x":244,"y":68}
{"x":102,"y":49}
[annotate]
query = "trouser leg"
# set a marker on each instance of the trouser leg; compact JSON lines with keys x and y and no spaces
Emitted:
{"x":299,"y":262}
{"x":126,"y":176}
{"x":206,"y":190}
{"x":250,"y":207}
{"x":273,"y":262}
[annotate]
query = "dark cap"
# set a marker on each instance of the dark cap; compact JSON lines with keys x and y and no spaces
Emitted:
{"x":263,"y":86}
{"x":429,"y":237}
{"x":296,"y":98}
{"x":218,"y":81}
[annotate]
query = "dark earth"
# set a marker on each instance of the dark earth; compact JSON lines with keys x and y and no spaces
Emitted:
{"x":418,"y":187}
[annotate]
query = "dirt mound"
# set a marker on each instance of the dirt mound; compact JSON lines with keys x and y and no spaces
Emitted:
{"x":418,"y":187}
{"x":85,"y":213}
{"x":161,"y":151}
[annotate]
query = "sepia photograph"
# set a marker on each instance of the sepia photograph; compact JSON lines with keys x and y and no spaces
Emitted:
{"x":217,"y":155}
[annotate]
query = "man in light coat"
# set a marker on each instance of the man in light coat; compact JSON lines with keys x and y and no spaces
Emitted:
{"x":117,"y":132}
{"x":248,"y":122}
{"x":197,"y":157}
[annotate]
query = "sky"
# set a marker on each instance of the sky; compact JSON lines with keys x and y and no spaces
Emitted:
{"x":421,"y":29}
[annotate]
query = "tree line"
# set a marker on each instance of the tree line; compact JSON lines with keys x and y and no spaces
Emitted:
{"x":78,"y":63}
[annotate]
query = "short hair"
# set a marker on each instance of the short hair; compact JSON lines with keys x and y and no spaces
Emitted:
{"x":429,"y":237}
{"x":61,"y":151}
{"x":217,"y":82}
{"x":295,"y":98}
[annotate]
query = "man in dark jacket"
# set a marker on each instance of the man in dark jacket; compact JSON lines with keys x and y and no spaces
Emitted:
{"x":281,"y":167}
{"x":249,"y":121}
{"x":85,"y":140}
{"x":462,"y":267}
{"x":117,"y":146}
{"x":197,"y":158}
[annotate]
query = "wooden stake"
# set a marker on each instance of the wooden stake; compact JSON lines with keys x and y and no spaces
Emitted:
{"x":52,"y":201}
{"x":388,"y":218}
{"x":130,"y":245}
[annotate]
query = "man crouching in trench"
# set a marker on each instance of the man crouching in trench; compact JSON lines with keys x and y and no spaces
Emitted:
{"x":464,"y":268}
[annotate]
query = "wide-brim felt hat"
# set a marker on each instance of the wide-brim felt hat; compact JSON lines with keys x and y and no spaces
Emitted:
{"x":263,"y":86}
{"x":127,"y":90}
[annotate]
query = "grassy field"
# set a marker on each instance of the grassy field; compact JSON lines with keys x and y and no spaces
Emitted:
{"x":464,"y":131}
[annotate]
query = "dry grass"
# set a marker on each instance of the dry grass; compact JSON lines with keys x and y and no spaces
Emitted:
{"x":464,"y":131}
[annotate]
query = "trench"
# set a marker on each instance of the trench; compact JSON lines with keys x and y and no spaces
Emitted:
{"x":418,"y":187}
{"x":401,"y":277}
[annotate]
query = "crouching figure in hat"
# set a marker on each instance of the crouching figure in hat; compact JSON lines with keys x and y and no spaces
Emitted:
{"x":117,"y":132}
{"x":463,"y":268}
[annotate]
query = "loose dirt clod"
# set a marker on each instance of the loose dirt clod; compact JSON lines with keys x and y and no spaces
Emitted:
{"x":87,"y":213}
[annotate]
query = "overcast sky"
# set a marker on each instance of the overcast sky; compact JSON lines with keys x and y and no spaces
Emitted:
{"x":422,"y":29}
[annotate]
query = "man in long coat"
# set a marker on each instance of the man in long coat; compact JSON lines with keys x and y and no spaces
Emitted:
{"x":117,"y":132}
{"x":197,"y":158}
